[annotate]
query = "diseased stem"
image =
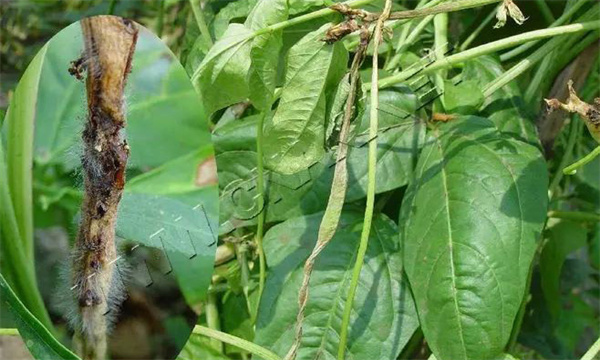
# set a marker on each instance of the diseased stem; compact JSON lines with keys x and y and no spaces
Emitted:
{"x":109,"y":45}
{"x":572,"y":169}
{"x":371,"y":181}
{"x":487,"y":49}
{"x":237,"y":342}
{"x":339,"y":185}
{"x":447,"y":7}
{"x":200,"y":21}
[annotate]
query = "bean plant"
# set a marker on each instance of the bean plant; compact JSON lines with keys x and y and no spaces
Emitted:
{"x":398,"y":179}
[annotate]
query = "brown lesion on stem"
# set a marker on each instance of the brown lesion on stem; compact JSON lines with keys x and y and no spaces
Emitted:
{"x":109,"y":46}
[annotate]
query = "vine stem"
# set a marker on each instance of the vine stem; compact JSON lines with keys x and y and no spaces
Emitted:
{"x":561,"y":20}
{"x":260,"y":186}
{"x":487,"y":49}
{"x":593,"y":351}
{"x":372,"y":162}
{"x":335,"y":203}
{"x":572,"y":169}
{"x":200,"y":21}
{"x":13,"y":332}
{"x":236,"y":341}
{"x":575,"y":215}
{"x":574,"y":130}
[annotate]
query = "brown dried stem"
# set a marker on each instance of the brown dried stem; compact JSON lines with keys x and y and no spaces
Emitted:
{"x":109,"y":45}
{"x":331,"y":217}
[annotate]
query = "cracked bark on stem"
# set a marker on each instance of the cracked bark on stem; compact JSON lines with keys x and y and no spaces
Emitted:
{"x":371,"y":180}
{"x":109,"y":45}
{"x":331,"y":217}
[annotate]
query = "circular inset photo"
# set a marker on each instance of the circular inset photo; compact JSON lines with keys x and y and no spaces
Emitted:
{"x":109,"y":184}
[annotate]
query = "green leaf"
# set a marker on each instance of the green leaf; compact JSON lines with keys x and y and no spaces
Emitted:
{"x":39,"y":341}
{"x":505,"y":107}
{"x":264,"y":53}
{"x":224,"y":70}
{"x":384,"y":318}
{"x":464,"y":98}
{"x":19,"y":134}
{"x":470,"y":222}
{"x":564,"y":238}
{"x":234,"y":10}
{"x":295,"y":136}
{"x":183,"y":232}
{"x":199,"y":347}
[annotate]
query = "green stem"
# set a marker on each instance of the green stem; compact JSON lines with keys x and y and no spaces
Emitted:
{"x":575,"y":130}
{"x":575,"y":215}
{"x":13,"y":332}
{"x":561,"y":20}
{"x":572,"y":169}
{"x":160,"y":21}
{"x":447,"y":7}
{"x":111,"y":7}
{"x":260,"y":185}
{"x":440,"y":23}
{"x":487,"y":49}
{"x":477,"y":31}
{"x":593,"y":351}
{"x":237,"y":342}
{"x":200,"y":21}
{"x":408,"y":41}
{"x":241,"y":252}
{"x":371,"y":181}
{"x":212,"y":319}
{"x":545,"y":10}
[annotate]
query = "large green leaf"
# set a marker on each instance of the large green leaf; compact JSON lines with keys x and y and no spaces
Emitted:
{"x":295,"y":136}
{"x":469,"y":225}
{"x":185,"y":233}
{"x":39,"y":341}
{"x":384,"y":318}
{"x":222,"y":75}
{"x":264,"y":53}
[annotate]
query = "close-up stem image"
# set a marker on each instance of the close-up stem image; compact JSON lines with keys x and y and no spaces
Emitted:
{"x":123,"y":206}
{"x":364,"y":179}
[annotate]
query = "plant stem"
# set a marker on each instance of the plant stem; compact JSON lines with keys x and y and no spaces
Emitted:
{"x":477,"y":31}
{"x":337,"y":195}
{"x":371,"y":181}
{"x":14,"y":332}
{"x":593,"y":351}
{"x":408,"y":41}
{"x":112,"y":6}
{"x":200,"y":21}
{"x":449,"y":6}
{"x":241,"y":253}
{"x":440,"y":23}
{"x":572,"y":169}
{"x":260,"y":185}
{"x":487,"y":49}
{"x":575,"y":130}
{"x":575,"y":215}
{"x":545,"y":10}
{"x":561,"y":20}
{"x":160,"y":21}
{"x":212,"y":319}
{"x":237,"y":342}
